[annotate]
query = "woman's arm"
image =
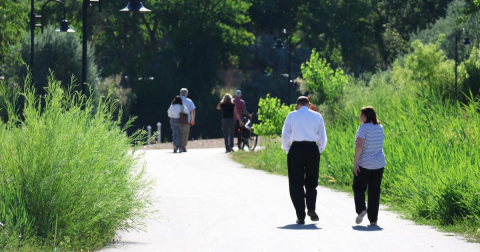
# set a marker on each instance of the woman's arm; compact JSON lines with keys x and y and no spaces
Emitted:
{"x":218,"y":105}
{"x":169,"y":111}
{"x":358,"y":151}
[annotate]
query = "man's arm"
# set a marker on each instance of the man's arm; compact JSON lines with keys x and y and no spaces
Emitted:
{"x":322,"y":135}
{"x":286,"y":132}
{"x":192,"y":114}
{"x":235,"y":112}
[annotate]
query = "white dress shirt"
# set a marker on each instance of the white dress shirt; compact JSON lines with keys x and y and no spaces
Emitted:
{"x":304,"y":125}
{"x":190,"y":106}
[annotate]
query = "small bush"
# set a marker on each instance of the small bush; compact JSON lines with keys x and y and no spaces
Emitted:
{"x":271,"y":114}
{"x":69,"y":178}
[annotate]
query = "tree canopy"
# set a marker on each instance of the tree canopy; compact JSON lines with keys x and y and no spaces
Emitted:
{"x":210,"y":46}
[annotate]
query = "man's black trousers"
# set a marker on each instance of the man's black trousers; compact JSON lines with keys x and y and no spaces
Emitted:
{"x":303,"y":162}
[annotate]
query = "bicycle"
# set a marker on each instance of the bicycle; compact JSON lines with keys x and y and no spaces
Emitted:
{"x":246,"y":135}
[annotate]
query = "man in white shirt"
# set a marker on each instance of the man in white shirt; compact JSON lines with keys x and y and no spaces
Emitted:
{"x":303,"y":139}
{"x":191,"y":117}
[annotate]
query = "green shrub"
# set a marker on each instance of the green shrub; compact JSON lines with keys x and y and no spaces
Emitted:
{"x":271,"y":115}
{"x":325,"y":84}
{"x":69,"y":178}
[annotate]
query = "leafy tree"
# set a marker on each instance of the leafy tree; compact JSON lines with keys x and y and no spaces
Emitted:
{"x":271,"y":114}
{"x":179,"y":44}
{"x":265,"y":70}
{"x":58,"y":52}
{"x":325,"y":84}
{"x":471,"y":83}
{"x":429,"y":68}
{"x":13,"y":20}
{"x":452,"y":23}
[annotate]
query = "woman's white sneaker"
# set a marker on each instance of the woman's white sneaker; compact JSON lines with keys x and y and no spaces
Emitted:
{"x":359,"y":218}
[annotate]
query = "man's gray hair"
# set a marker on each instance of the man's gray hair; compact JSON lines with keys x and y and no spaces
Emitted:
{"x":184,"y":91}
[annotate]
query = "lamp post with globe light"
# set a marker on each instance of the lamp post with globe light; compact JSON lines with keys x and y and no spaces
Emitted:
{"x":279,"y":45}
{"x":33,"y":24}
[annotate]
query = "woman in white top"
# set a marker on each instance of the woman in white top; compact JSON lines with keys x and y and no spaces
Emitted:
{"x":174,"y":111}
{"x":369,"y":164}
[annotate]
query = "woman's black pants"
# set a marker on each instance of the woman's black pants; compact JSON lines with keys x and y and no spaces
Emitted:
{"x":371,"y":180}
{"x":303,"y":161}
{"x":228,"y":128}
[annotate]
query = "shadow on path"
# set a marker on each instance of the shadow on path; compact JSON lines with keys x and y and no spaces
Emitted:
{"x":300,"y":227}
{"x":367,"y":228}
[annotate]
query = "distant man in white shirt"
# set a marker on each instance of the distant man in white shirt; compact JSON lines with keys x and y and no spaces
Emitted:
{"x":191,"y":117}
{"x":303,"y":139}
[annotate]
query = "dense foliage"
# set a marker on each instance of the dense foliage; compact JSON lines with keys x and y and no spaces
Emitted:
{"x":70,"y":179}
{"x":271,"y":114}
{"x":206,"y":45}
{"x":13,"y":19}
{"x":60,"y":53}
{"x":431,"y":139}
{"x":395,"y":55}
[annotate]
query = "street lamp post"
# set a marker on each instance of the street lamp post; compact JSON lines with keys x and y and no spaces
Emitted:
{"x":279,"y":45}
{"x":86,"y":4}
{"x":133,"y":5}
{"x":465,"y":42}
{"x":33,"y":24}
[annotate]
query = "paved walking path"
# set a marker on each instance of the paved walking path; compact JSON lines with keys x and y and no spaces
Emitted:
{"x":210,"y":203}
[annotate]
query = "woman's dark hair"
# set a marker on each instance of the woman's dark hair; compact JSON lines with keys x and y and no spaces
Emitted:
{"x":177,"y":100}
{"x":370,"y":114}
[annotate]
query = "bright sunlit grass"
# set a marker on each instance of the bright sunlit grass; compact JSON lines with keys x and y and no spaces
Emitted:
{"x":69,"y":179}
{"x":432,"y":150}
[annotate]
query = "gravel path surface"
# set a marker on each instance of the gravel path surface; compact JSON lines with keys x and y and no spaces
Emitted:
{"x":210,"y":203}
{"x":192,"y":144}
{"x":195,"y":144}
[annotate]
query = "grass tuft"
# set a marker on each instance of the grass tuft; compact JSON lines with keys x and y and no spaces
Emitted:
{"x":69,"y":177}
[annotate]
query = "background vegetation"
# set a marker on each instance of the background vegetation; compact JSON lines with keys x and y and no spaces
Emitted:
{"x":397,"y":56}
{"x":431,"y":140}
{"x":69,"y":178}
{"x":207,"y":46}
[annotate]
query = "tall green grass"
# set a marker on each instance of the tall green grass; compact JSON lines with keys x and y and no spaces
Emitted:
{"x":431,"y":145}
{"x":432,"y":153}
{"x":68,"y":177}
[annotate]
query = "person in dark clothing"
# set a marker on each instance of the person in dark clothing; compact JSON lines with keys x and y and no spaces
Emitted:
{"x":228,"y":122}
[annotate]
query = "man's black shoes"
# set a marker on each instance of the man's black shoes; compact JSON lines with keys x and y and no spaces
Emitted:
{"x":313,"y":215}
{"x":301,"y":222}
